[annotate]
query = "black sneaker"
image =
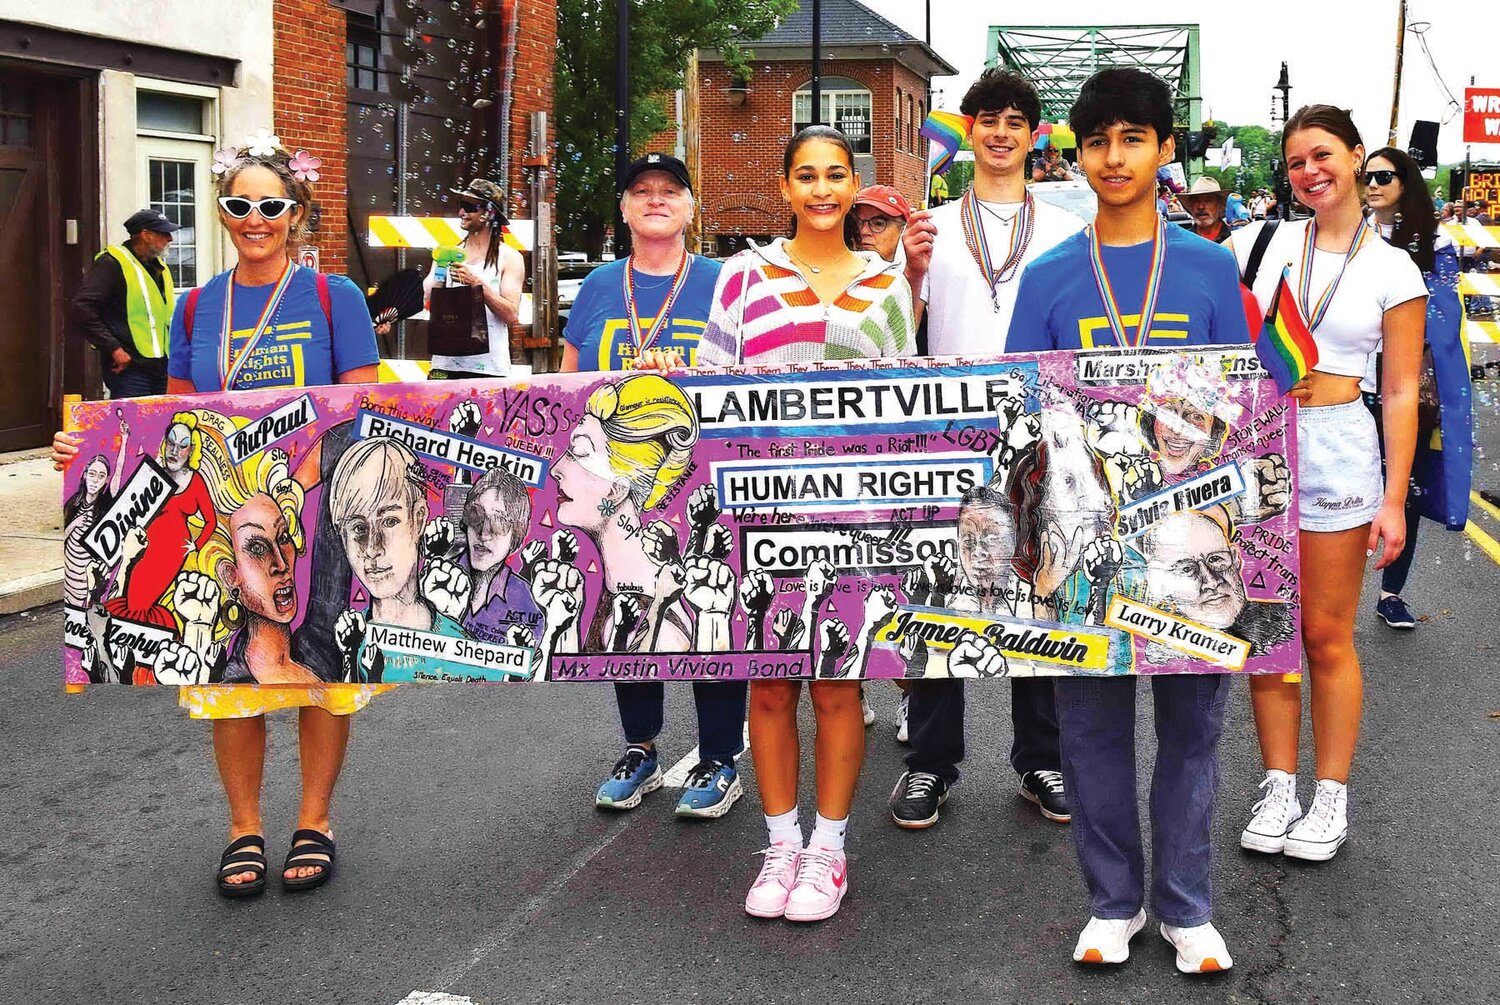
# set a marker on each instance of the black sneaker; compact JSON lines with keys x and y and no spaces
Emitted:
{"x":916,"y":798}
{"x":1045,"y":788}
{"x":1394,"y":612}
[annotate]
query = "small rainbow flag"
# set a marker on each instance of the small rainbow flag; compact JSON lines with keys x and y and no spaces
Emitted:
{"x":947,"y":131}
{"x":1285,"y":345}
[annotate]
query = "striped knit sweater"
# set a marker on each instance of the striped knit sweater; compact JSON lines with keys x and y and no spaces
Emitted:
{"x":763,"y":311}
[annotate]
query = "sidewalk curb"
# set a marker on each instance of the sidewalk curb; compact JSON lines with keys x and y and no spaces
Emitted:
{"x":31,"y":591}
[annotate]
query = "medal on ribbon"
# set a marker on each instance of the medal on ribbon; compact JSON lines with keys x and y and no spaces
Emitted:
{"x":679,"y":280}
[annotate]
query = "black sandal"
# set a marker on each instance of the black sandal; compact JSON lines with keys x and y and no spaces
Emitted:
{"x":309,"y":848}
{"x":236,"y":859}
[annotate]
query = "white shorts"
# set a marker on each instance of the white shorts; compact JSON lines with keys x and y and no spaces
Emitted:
{"x":1339,"y":484}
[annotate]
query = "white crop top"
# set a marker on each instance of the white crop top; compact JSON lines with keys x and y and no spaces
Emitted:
{"x":1378,"y":278}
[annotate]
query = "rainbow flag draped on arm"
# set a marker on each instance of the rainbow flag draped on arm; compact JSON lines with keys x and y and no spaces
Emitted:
{"x":947,"y":131}
{"x":1285,"y":344}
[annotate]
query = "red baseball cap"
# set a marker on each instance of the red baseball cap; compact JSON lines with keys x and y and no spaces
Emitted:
{"x":886,"y":199}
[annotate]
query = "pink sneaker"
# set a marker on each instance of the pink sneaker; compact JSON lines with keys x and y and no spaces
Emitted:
{"x":822,"y":881}
{"x":768,"y":895}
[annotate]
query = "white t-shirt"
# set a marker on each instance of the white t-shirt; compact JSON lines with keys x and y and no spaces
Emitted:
{"x":960,"y":317}
{"x":496,"y":362}
{"x":1378,"y":278}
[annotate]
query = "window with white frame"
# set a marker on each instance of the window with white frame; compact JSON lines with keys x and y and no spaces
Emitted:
{"x":845,"y":105}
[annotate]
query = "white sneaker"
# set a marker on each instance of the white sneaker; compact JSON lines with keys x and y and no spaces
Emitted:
{"x":1273,"y":815}
{"x":1108,"y":941}
{"x":903,"y":734}
{"x":822,"y":881}
{"x":778,"y":873}
{"x":1200,"y":949}
{"x":1318,"y":835}
{"x":864,"y":707}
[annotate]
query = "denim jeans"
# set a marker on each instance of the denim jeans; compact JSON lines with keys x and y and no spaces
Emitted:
{"x":135,"y":381}
{"x":721,"y":715}
{"x":1097,"y":720}
{"x":935,"y":724}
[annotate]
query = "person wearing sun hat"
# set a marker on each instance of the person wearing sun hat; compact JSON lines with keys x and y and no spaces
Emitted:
{"x":1205,"y":202}
{"x":488,"y":263}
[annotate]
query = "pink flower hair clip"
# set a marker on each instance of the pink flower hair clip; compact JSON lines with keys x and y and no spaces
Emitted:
{"x":304,"y":166}
{"x":224,"y":159}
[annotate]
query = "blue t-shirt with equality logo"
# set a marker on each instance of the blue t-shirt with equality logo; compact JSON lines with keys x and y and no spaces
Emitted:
{"x":1059,"y":307}
{"x":598,"y":325}
{"x":296,"y":350}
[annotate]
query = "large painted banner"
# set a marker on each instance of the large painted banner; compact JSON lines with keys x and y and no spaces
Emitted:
{"x":1067,"y":513}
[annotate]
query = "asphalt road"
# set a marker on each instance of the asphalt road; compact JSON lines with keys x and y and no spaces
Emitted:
{"x":473,"y":864}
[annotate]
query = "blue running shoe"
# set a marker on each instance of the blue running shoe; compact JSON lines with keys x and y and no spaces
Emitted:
{"x":635,"y":774}
{"x":711,"y":789}
{"x":1394,"y":612}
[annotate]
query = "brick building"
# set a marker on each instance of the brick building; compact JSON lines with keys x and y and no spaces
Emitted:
{"x":874,"y":87}
{"x":109,"y":107}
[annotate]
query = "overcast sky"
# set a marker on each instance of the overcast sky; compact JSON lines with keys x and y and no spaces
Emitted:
{"x":1342,"y":53}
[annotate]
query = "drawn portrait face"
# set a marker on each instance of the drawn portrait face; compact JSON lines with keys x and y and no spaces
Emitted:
{"x":1076,"y":505}
{"x":383,"y":538}
{"x":490,"y":531}
{"x":1192,"y":569}
{"x":986,"y":544}
{"x":264,"y":557}
{"x":95,"y":475}
{"x":585,"y":480}
{"x":177,"y":447}
{"x":1184,"y":436}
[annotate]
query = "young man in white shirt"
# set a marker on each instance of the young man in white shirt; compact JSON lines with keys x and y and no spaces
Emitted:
{"x":492,"y":265}
{"x":964,"y":260}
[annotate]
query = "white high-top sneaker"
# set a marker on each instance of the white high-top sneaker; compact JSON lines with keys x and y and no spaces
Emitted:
{"x":1317,"y":836}
{"x":1273,"y":815}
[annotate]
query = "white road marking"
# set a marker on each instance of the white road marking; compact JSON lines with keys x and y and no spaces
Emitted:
{"x":677,"y":774}
{"x":435,"y":998}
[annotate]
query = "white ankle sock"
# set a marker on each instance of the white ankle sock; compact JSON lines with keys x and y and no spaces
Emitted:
{"x":784,"y":829}
{"x":829,"y":834}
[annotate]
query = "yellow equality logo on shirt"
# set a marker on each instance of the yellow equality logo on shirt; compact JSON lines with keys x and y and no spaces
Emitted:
{"x":276,"y":361}
{"x":617,"y":350}
{"x":1172,"y":328}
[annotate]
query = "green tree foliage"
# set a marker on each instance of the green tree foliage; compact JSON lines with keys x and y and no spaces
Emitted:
{"x":1258,"y":148}
{"x":662,"y":35}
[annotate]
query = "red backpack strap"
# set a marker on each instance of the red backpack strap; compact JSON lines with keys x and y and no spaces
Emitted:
{"x":188,"y":310}
{"x":326,"y":299}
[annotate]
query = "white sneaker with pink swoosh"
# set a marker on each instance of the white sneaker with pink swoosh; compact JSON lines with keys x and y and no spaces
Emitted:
{"x":822,"y":881}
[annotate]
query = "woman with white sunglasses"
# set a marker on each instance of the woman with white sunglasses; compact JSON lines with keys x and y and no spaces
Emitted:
{"x":268,"y":323}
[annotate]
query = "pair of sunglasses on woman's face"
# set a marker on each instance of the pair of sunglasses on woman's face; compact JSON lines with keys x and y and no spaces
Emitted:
{"x":269,"y":209}
{"x":1379,"y":177}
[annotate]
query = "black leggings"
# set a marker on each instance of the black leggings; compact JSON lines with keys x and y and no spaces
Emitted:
{"x":1393,"y":577}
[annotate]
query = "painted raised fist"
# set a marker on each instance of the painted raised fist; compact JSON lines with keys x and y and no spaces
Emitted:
{"x":834,"y":636}
{"x":465,"y":419}
{"x":659,"y":539}
{"x":787,"y":626}
{"x":710,"y":585}
{"x":565,"y":547}
{"x":447,"y":587}
{"x":178,"y":665}
{"x":438,"y":538}
{"x":757,"y":590}
{"x":975,"y":656}
{"x":195,"y":598}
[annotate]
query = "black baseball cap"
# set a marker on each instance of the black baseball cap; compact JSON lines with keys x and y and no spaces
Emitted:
{"x":656,"y":162}
{"x":149,"y":219}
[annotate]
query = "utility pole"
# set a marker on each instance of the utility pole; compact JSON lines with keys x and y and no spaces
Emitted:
{"x":817,"y":62}
{"x":622,"y":120}
{"x":691,"y":144}
{"x":1284,"y":85}
{"x":1396,"y":93}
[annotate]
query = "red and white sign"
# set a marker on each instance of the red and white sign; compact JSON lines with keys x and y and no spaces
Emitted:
{"x":307,"y":257}
{"x":1481,"y":115}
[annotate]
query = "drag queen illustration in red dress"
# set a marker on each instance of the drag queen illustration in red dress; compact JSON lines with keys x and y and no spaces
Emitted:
{"x":169,"y":539}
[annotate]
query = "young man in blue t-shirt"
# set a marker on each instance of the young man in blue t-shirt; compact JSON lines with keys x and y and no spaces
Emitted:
{"x":1133,"y":280}
{"x":648,"y":310}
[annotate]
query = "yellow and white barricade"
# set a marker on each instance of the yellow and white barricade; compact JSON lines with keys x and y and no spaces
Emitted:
{"x":1479,"y":284}
{"x":437,"y":232}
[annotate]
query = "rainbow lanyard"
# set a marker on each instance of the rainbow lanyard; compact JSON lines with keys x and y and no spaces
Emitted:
{"x":229,"y":364}
{"x":678,"y":282}
{"x":1153,"y":287}
{"x":979,"y":248}
{"x":1309,"y":246}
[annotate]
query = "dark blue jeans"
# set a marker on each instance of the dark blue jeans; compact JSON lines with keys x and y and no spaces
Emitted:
{"x":935,"y":724}
{"x":721,"y":715}
{"x":1393,"y":577}
{"x":135,"y":382}
{"x":1097,"y":719}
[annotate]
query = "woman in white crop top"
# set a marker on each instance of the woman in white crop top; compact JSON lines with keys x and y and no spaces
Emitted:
{"x":1357,"y":293}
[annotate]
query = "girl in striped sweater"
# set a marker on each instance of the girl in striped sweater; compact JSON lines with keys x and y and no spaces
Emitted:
{"x":804,"y":299}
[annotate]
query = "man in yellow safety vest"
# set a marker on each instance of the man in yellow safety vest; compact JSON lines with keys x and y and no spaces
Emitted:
{"x":124,"y":307}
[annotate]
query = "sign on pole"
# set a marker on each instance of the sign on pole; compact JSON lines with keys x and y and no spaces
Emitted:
{"x":1482,"y":115}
